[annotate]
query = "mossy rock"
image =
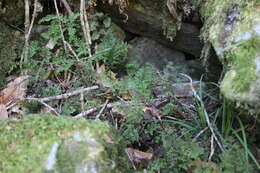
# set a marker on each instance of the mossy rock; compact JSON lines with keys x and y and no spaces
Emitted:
{"x":48,"y":144}
{"x":233,"y":28}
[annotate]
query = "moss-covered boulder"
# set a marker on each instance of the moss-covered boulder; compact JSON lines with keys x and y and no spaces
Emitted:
{"x":233,"y":28}
{"x":48,"y":144}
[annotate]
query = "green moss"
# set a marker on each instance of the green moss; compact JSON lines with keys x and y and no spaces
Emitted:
{"x":231,"y":26}
{"x":26,"y":143}
{"x":244,"y":66}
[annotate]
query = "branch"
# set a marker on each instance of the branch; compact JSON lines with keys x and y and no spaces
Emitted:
{"x":45,"y":104}
{"x":66,"y":95}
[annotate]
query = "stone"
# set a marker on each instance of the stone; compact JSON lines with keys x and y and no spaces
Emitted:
{"x":150,"y":18}
{"x":233,"y":28}
{"x":144,"y":50}
{"x":48,"y":144}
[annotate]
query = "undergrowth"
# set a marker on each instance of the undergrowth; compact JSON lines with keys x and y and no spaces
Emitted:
{"x":177,"y":132}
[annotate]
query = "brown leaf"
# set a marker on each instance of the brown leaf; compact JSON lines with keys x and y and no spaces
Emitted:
{"x":101,"y":69}
{"x":127,"y":96}
{"x":3,"y":112}
{"x":14,"y":90}
{"x":152,"y":113}
{"x":139,"y":156}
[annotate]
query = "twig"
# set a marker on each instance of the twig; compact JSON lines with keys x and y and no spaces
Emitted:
{"x":205,"y":112}
{"x":85,"y":25}
{"x":85,"y":113}
{"x":200,"y":133}
{"x":90,"y":111}
{"x":60,"y":25}
{"x":66,"y":95}
{"x":212,"y":149}
{"x":28,"y":28}
{"x":45,"y":104}
{"x":102,"y":110}
{"x":72,"y":51}
{"x":67,"y":6}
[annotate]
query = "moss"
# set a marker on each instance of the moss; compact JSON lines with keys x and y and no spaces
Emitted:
{"x":26,"y":143}
{"x":232,"y":27}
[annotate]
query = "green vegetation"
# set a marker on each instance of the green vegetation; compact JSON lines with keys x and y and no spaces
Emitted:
{"x":199,"y":133}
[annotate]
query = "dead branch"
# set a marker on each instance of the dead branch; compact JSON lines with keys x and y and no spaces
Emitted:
{"x":85,"y":25}
{"x":92,"y":110}
{"x":60,"y":24}
{"x":102,"y":110}
{"x":28,"y":27}
{"x":66,"y":95}
{"x":45,"y":104}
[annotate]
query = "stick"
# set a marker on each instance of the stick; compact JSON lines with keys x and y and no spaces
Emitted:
{"x":205,"y":113}
{"x":60,"y":26}
{"x":66,"y":95}
{"x":45,"y":104}
{"x":92,"y":110}
{"x":85,"y":25}
{"x":85,"y":113}
{"x":28,"y":27}
{"x":102,"y":110}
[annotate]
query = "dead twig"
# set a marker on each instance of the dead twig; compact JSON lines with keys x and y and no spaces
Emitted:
{"x":92,"y":110}
{"x":28,"y":27}
{"x":66,"y":95}
{"x":45,"y":104}
{"x":205,"y":112}
{"x":60,"y":25}
{"x":212,"y":148}
{"x":102,"y":110}
{"x":85,"y":25}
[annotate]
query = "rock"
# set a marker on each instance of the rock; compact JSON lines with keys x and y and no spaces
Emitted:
{"x":233,"y":28}
{"x":48,"y":144}
{"x":145,"y":50}
{"x":152,"y":19}
{"x":178,"y":89}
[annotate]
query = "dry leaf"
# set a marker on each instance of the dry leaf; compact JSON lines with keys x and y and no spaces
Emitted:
{"x":152,"y":113}
{"x":112,"y":75}
{"x":101,"y":69}
{"x":3,"y":112}
{"x":139,"y":156}
{"x":15,"y":90}
{"x":127,"y":96}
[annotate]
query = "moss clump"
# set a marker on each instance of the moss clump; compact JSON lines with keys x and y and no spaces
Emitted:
{"x":26,"y":145}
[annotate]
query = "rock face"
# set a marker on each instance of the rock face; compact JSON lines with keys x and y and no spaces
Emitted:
{"x":233,"y":28}
{"x":151,"y":18}
{"x":47,"y":144}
